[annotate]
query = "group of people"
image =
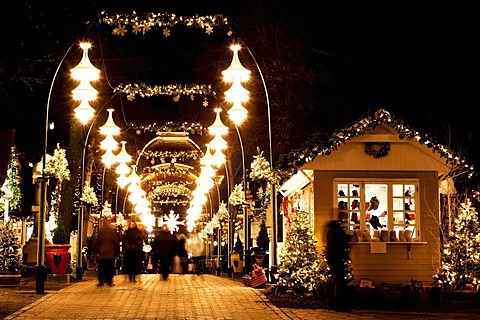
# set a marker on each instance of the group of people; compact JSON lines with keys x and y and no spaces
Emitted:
{"x":165,"y":248}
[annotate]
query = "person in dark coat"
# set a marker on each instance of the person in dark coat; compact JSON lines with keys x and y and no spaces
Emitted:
{"x":337,"y":257}
{"x":164,"y":249}
{"x":182,"y":253}
{"x":108,"y":248}
{"x":133,"y":244}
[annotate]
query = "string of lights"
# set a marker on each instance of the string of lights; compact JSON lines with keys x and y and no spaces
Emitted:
{"x":144,"y":22}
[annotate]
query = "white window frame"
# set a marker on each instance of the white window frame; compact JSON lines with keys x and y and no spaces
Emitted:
{"x":398,"y":201}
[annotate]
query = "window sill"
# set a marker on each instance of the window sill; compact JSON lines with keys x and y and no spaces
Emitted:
{"x":381,"y":247}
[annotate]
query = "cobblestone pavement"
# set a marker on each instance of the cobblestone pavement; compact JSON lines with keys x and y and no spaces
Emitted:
{"x":203,"y":297}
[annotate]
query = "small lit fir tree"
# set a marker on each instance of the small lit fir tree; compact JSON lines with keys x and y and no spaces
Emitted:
{"x":261,"y":173}
{"x":460,"y":259}
{"x":57,"y":167}
{"x":301,"y":270}
{"x":261,"y":169}
{"x":11,"y":188}
{"x":236,"y":198}
{"x":10,"y":250}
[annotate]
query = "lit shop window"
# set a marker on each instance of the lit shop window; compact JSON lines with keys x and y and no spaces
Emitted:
{"x":380,"y":205}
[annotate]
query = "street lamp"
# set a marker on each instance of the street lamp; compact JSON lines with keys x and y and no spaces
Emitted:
{"x":273,"y":192}
{"x":236,"y":73}
{"x":238,"y":110}
{"x":84,"y":72}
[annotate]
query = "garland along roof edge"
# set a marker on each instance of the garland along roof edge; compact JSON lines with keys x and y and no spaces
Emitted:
{"x":314,"y":147}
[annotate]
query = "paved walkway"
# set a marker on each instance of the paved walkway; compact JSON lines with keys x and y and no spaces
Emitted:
{"x":204,"y":297}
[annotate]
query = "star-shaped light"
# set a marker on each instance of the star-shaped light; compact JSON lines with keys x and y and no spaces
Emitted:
{"x":166,"y":32}
{"x":137,"y":28}
{"x":172,"y":222}
{"x":120,"y":30}
{"x":146,"y":27}
{"x":209,"y":30}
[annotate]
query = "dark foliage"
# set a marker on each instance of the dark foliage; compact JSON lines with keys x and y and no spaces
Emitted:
{"x":297,"y":301}
{"x":262,"y":238}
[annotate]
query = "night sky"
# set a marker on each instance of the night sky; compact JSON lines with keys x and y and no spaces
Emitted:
{"x":419,"y":61}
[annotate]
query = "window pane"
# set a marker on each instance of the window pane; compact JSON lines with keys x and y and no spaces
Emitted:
{"x":397,"y":190}
{"x":409,"y":190}
{"x":342,"y":189}
{"x":398,"y":218}
{"x":377,"y":209}
{"x":398,"y":204}
{"x":354,"y":190}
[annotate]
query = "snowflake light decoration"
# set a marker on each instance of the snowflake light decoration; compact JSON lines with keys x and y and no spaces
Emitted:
{"x":172,"y":222}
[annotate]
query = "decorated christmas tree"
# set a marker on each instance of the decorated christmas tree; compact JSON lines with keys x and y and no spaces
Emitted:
{"x":262,"y":175}
{"x":10,"y":253}
{"x":460,"y":260}
{"x":301,"y":270}
{"x":10,"y":190}
{"x":57,"y":167}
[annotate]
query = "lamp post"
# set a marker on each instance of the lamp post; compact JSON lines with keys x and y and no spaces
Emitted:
{"x":246,"y":221}
{"x":109,"y":129}
{"x":43,"y":180}
{"x":273,"y":192}
{"x":84,"y":72}
{"x":236,"y":73}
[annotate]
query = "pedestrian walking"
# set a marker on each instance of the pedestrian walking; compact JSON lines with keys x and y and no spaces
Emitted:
{"x":197,"y":249}
{"x":337,"y":257}
{"x":182,"y":253}
{"x":133,"y":255}
{"x":108,"y":249}
{"x":164,"y":248}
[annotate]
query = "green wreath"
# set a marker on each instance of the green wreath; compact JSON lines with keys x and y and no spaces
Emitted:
{"x":377,"y":149}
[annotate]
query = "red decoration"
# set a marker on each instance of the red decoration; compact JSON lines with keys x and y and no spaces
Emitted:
{"x":58,"y":257}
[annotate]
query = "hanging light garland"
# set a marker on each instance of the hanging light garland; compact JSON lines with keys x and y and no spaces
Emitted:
{"x":162,"y":155}
{"x":170,"y":172}
{"x":145,"y":91}
{"x":182,"y":183}
{"x":170,"y":190}
{"x":171,"y":201}
{"x":192,"y":128}
{"x":144,"y":22}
